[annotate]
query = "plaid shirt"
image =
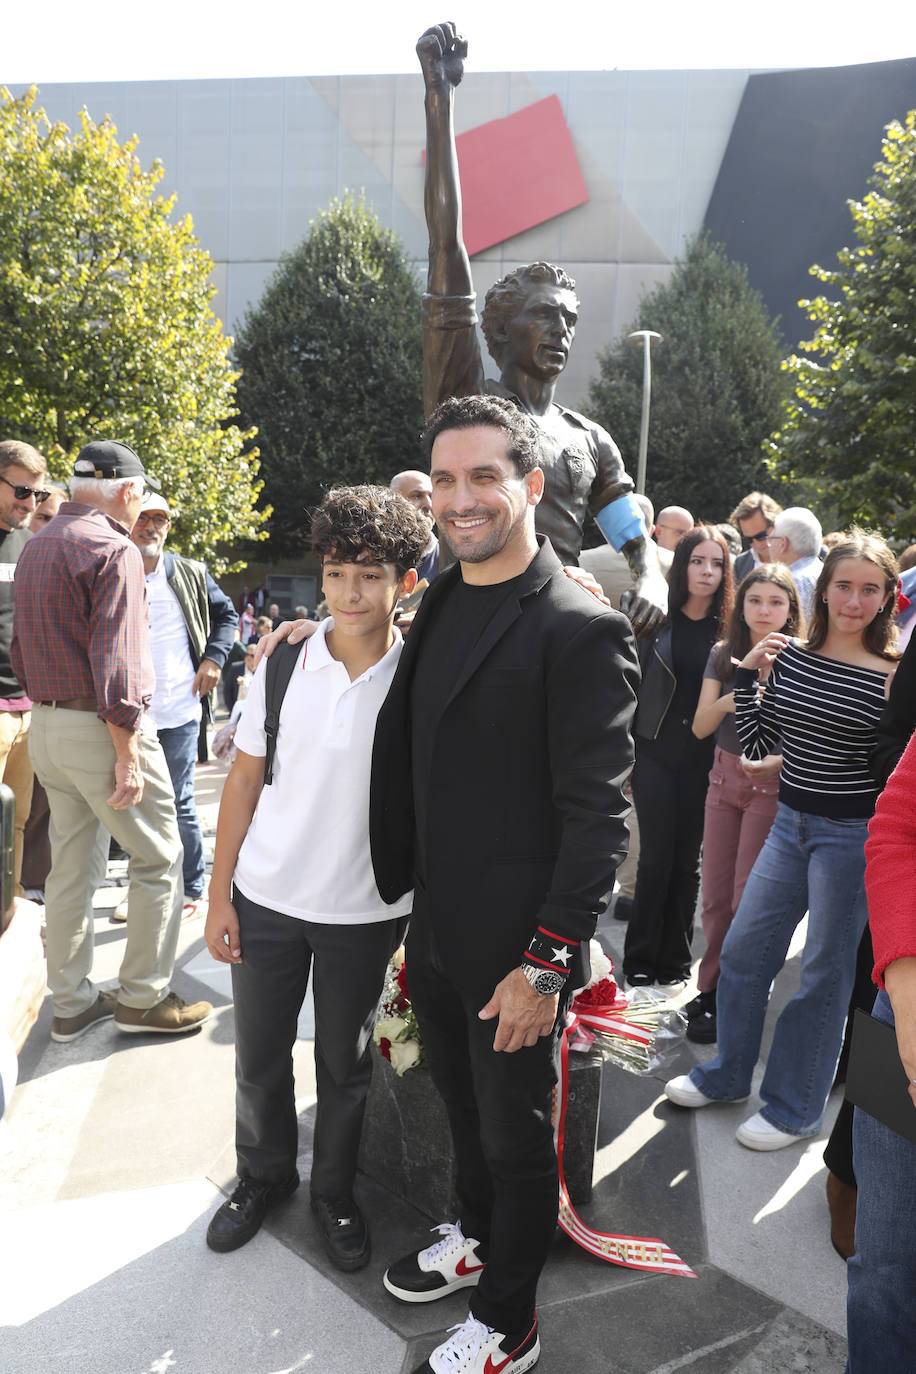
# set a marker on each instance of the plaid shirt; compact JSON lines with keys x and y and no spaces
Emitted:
{"x":81,"y":627}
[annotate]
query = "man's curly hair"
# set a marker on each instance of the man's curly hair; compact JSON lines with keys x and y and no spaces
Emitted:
{"x":506,"y":297}
{"x":370,"y":525}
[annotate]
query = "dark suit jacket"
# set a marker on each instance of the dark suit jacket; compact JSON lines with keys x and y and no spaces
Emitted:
{"x":742,"y":566}
{"x":525,"y":822}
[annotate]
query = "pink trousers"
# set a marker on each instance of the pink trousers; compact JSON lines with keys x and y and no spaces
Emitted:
{"x":739,"y":814}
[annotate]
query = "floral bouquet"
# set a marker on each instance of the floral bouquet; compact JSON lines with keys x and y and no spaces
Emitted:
{"x":638,"y":1037}
{"x":396,"y":1031}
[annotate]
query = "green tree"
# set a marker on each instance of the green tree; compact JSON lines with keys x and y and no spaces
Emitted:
{"x":849,"y":426}
{"x":716,"y":385}
{"x":106,"y":328}
{"x":332,"y":362}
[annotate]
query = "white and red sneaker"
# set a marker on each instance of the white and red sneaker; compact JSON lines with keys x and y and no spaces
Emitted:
{"x":478,"y":1349}
{"x":451,"y":1263}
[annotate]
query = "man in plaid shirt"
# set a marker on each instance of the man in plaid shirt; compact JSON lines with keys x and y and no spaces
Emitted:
{"x":81,"y":648}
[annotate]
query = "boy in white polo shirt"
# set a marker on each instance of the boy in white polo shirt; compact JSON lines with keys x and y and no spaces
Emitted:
{"x":292,"y":879}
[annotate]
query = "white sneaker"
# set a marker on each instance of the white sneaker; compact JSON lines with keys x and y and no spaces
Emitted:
{"x":120,"y":911}
{"x":685,"y":1093}
{"x":758,"y":1134}
{"x":449,"y":1264}
{"x":194,"y":907}
{"x":478,"y":1349}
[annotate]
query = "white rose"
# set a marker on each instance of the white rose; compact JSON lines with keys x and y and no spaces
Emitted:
{"x":601,"y":965}
{"x":397,"y":958}
{"x":404,"y":1054}
{"x":389,"y":1028}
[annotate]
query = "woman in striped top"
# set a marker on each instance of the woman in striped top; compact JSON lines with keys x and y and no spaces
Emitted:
{"x":823,"y":700}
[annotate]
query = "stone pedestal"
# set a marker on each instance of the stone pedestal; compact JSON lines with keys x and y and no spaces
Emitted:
{"x":406,"y":1145}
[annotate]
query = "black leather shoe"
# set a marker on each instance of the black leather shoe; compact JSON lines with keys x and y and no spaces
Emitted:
{"x":346,"y":1235}
{"x":240,"y":1217}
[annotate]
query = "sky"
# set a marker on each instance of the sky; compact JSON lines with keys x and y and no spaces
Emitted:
{"x":61,"y":41}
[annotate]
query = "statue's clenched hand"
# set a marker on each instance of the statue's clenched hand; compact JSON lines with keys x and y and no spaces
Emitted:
{"x":442,"y":51}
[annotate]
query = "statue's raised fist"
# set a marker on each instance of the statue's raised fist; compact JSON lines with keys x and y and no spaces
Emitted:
{"x":442,"y":51}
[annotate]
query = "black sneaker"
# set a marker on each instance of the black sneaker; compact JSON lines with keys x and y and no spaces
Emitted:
{"x":240,"y":1216}
{"x":451,"y":1263}
{"x":346,"y":1235}
{"x":623,"y":909}
{"x":702,"y":1029}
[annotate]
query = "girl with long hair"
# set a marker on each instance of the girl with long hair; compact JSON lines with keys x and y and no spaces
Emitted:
{"x":672,"y":765}
{"x":823,"y":700}
{"x":742,"y":797}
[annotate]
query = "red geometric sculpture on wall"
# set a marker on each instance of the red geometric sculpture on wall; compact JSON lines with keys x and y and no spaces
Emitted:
{"x":517,"y":172}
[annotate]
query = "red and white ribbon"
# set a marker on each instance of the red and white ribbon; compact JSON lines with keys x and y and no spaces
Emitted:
{"x":633,"y":1252}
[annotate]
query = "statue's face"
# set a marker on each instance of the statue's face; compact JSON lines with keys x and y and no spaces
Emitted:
{"x":540,"y":336}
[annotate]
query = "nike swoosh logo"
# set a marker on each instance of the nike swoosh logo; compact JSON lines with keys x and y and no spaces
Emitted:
{"x":462,"y":1269}
{"x":491,"y":1368}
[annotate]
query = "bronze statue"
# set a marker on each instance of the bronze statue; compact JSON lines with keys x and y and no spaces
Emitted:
{"x":529,"y":322}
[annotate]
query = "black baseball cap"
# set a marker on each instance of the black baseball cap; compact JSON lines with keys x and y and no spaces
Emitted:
{"x":110,"y":458}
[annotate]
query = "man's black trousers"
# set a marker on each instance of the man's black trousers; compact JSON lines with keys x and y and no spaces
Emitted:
{"x":499,"y":1113}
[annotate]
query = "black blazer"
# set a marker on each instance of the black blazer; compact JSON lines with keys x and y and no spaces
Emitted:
{"x":526,"y":812}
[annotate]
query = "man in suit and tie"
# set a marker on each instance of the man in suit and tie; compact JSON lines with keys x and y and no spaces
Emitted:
{"x":506,"y":737}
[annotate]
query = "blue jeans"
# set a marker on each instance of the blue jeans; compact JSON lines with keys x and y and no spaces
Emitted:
{"x":180,"y":748}
{"x":812,"y":864}
{"x":880,"y":1310}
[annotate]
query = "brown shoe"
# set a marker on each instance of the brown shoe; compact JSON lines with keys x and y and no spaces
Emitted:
{"x":842,"y":1200}
{"x":171,"y":1016}
{"x":64,"y":1028}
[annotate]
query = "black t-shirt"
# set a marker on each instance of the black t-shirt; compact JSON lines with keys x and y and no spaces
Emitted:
{"x":447,"y":641}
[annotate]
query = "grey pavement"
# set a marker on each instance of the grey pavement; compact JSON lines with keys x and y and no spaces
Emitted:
{"x":116,"y":1148}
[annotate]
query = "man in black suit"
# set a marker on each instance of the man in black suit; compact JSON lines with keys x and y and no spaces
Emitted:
{"x":506,"y":736}
{"x":754,"y":518}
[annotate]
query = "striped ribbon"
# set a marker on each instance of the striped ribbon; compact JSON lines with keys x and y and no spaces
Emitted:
{"x":633,"y":1252}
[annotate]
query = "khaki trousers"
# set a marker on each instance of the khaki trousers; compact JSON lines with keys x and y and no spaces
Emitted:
{"x":16,"y":772}
{"x":74,"y":760}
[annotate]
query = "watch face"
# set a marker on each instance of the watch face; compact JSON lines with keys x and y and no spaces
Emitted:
{"x":548,"y":983}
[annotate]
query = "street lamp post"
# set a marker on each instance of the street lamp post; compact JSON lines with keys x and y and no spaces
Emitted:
{"x":646,"y":339}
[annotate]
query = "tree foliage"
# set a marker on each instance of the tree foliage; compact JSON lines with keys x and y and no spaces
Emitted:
{"x":716,"y":385}
{"x":106,"y":328}
{"x":849,"y":426}
{"x":332,"y":362}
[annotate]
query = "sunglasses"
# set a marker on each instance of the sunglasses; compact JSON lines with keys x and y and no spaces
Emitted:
{"x":761,"y":537}
{"x":23,"y":493}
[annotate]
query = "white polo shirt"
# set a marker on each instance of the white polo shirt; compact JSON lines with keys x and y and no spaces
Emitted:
{"x":306,"y":853}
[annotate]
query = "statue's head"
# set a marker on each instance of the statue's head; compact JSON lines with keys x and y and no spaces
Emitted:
{"x":547,"y":295}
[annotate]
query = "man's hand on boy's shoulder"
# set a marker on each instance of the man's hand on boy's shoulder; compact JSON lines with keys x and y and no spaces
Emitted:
{"x":221,"y":931}
{"x":293,"y":630}
{"x":586,"y":581}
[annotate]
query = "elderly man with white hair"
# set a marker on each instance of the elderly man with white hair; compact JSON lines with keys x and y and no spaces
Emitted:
{"x":81,"y":650}
{"x":796,"y":540}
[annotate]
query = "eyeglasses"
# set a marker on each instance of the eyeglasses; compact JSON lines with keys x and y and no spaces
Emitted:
{"x":23,"y":493}
{"x":761,"y":537}
{"x":159,"y":521}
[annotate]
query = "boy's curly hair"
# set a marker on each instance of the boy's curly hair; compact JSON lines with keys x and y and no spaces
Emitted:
{"x":370,"y":524}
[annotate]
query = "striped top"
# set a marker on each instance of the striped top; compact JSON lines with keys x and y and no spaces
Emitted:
{"x":826,"y":713}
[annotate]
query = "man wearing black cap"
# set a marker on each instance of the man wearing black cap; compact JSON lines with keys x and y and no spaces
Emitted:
{"x":81,"y":649}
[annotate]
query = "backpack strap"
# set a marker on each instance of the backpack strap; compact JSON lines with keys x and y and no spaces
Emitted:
{"x":280,"y":667}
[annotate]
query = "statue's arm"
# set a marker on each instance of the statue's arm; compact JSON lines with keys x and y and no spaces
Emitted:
{"x":442,"y":52}
{"x":621,"y":521}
